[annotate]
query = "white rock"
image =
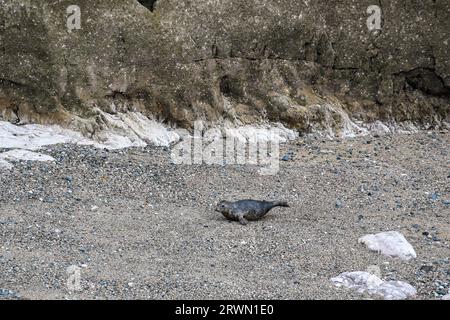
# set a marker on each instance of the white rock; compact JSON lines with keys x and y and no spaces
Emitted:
{"x":4,"y":165}
{"x":123,"y":130}
{"x":34,"y":136}
{"x":446,"y":297}
{"x":390,"y":243}
{"x":133,"y":129}
{"x":365,"y":282}
{"x":379,"y":128}
{"x":261,"y":133}
{"x":25,"y":155}
{"x":112,"y":141}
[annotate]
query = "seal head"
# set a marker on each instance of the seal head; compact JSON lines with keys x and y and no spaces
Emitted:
{"x":225,"y":207}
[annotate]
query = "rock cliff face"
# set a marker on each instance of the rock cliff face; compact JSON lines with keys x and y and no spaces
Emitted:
{"x":303,"y":63}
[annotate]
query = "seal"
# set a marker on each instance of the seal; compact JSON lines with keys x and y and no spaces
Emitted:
{"x":247,"y":210}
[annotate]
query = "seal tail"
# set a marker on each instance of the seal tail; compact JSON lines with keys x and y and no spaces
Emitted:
{"x":280,"y":204}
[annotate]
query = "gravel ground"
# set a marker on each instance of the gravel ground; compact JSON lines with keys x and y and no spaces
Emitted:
{"x":141,"y":227}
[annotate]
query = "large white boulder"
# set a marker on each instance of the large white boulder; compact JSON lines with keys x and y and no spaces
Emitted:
{"x":365,"y":282}
{"x":390,"y":243}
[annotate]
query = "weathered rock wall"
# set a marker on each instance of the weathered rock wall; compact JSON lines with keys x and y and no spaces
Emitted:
{"x":243,"y":60}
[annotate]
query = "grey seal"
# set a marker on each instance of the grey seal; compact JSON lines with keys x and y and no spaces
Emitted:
{"x":247,"y":210}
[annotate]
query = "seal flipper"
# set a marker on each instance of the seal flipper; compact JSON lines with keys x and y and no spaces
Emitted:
{"x":280,"y":204}
{"x":242,"y":220}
